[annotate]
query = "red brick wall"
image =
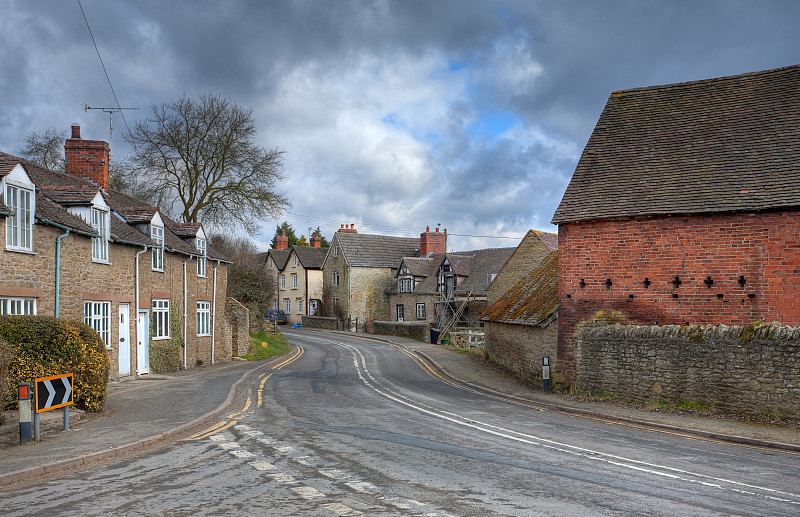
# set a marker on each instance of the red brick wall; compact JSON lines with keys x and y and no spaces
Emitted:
{"x":762,"y":249}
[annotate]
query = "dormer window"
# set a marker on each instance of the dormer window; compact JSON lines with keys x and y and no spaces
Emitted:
{"x":157,"y":234}
{"x":100,"y":243}
{"x":406,"y":285}
{"x":200,"y":244}
{"x":19,"y":226}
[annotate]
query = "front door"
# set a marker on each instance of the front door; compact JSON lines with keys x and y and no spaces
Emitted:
{"x":143,"y":342}
{"x":124,"y":339}
{"x":400,"y":313}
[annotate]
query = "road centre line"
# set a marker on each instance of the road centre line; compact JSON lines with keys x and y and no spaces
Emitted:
{"x":629,"y":463}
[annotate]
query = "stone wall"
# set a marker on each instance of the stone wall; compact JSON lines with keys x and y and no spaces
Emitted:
{"x":520,"y":349}
{"x":753,"y":369}
{"x":320,"y":322}
{"x":237,"y":317}
{"x":413,"y":330}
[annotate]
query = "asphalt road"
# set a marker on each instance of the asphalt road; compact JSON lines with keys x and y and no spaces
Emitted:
{"x":348,"y":426}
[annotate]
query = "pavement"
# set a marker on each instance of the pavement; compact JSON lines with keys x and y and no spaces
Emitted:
{"x":158,"y":409}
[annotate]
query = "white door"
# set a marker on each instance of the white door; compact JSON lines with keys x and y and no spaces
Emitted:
{"x":143,"y":342}
{"x":124,"y":339}
{"x":400,"y":313}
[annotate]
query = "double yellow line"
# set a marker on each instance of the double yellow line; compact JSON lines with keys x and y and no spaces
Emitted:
{"x":234,"y":417}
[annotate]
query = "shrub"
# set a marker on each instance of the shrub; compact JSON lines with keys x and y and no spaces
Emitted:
{"x":45,"y":346}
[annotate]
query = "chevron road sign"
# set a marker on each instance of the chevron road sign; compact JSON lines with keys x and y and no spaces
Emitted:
{"x":53,"y":392}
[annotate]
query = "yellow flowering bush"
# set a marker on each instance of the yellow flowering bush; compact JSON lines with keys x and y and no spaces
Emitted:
{"x":45,"y":346}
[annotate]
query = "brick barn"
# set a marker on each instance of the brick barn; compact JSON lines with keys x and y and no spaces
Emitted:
{"x":685,"y":207}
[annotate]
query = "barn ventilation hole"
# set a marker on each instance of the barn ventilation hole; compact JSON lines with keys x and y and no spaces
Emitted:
{"x":720,"y":296}
{"x":674,"y":295}
{"x":569,"y":296}
{"x":677,"y":282}
{"x":630,"y":297}
{"x":646,"y":283}
{"x":742,"y":281}
{"x":608,"y":283}
{"x":708,"y":281}
{"x":582,"y":283}
{"x":751,"y":295}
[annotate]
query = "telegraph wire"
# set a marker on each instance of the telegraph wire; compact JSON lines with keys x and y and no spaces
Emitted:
{"x":103,"y":65}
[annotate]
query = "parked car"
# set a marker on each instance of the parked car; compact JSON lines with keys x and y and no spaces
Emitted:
{"x":276,"y":315}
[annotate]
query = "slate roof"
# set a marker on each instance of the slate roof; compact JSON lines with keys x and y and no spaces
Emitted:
{"x":280,"y":257}
{"x":531,"y":301}
{"x":483,"y":266}
{"x":718,"y":145}
{"x":49,"y":212}
{"x":425,"y":267}
{"x":365,"y":250}
{"x":7,"y":163}
{"x":550,"y":240}
{"x":184,"y":230}
{"x":68,"y":195}
{"x":309,"y":256}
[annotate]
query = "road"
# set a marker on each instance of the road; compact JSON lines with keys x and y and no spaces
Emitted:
{"x":349,"y":426}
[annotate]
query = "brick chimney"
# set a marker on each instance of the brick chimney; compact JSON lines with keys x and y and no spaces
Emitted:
{"x":432,"y":242}
{"x":281,"y":241}
{"x":316,"y":241}
{"x":87,"y":159}
{"x":347,"y":228}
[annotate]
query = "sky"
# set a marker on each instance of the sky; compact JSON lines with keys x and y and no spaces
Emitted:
{"x":394,"y":115}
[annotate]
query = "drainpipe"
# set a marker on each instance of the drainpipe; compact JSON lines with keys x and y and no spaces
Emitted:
{"x":349,"y":291}
{"x":185,"y":294}
{"x":214,"y":314}
{"x":58,"y":269}
{"x":136,"y":301}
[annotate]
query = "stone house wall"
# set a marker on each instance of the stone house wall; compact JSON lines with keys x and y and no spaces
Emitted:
{"x":753,"y":369}
{"x":520,"y":348}
{"x":237,"y":318}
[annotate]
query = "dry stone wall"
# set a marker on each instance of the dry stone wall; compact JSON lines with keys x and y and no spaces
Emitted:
{"x":751,"y":370}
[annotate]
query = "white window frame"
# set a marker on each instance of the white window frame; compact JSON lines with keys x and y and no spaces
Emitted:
{"x":335,"y":251}
{"x":202,"y":248}
{"x":160,"y":327}
{"x":294,"y":281}
{"x":203,"y":318}
{"x":19,"y":225}
{"x":406,"y":285}
{"x":299,"y":306}
{"x":335,"y":279}
{"x":287,"y":305}
{"x":400,"y":311}
{"x":100,"y":244}
{"x":98,"y":316}
{"x":421,"y":311}
{"x":17,"y":306}
{"x":157,"y":235}
{"x":283,"y":281}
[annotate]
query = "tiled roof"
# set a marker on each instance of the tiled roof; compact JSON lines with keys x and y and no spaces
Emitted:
{"x":461,"y":262}
{"x":69,"y":195}
{"x":484,"y":266}
{"x":183,"y":230}
{"x":125,"y":234}
{"x":310,"y":257}
{"x":425,"y":267}
{"x":716,"y":145}
{"x":532,"y":300}
{"x":361,"y":249}
{"x":280,"y":257}
{"x":550,"y":240}
{"x":7,"y":163}
{"x":47,"y":211}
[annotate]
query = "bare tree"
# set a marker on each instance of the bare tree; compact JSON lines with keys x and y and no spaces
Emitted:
{"x":199,"y":159}
{"x":248,"y":281}
{"x":45,"y":150}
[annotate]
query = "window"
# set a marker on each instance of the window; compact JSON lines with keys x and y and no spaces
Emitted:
{"x":201,"y":261}
{"x":406,"y":285}
{"x":400,"y":313}
{"x":17,"y":306}
{"x":97,"y":315}
{"x":336,"y":251}
{"x":160,"y":319}
{"x":283,"y":281}
{"x":203,"y":318}
{"x":299,"y":306}
{"x":288,"y":305}
{"x":295,"y":260}
{"x":294,"y":281}
{"x":421,"y":311}
{"x":157,"y":234}
{"x":19,"y":226}
{"x":100,"y":244}
{"x":335,"y":279}
{"x":335,"y":302}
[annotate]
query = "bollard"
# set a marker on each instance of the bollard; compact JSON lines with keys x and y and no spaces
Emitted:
{"x":24,"y":393}
{"x":546,"y":374}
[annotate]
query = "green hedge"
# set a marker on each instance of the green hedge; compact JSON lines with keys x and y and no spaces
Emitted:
{"x":41,"y":346}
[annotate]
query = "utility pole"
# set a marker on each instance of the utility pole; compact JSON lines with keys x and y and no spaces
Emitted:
{"x":110,"y":112}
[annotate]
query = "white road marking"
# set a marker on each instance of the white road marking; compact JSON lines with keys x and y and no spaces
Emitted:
{"x":342,"y":509}
{"x":665,"y":471}
{"x":336,"y":474}
{"x":228,"y":445}
{"x":362,"y":486}
{"x":307,"y":492}
{"x":262,"y":465}
{"x":217,"y":438}
{"x":285,"y":449}
{"x":283,"y":479}
{"x":242,"y":454}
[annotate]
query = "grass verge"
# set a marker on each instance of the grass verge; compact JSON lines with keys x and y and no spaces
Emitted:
{"x":264,"y":346}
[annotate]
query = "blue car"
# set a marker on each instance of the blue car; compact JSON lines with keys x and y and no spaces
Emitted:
{"x":277,"y":315}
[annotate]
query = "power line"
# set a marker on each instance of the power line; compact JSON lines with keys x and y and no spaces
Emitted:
{"x":103,"y":65}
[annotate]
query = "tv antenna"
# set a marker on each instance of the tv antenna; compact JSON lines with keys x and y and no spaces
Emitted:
{"x":110,"y":112}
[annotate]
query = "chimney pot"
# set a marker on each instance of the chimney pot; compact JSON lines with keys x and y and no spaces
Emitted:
{"x":437,"y":228}
{"x":76,"y":131}
{"x":427,"y":228}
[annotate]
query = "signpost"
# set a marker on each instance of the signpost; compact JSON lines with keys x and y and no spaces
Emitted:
{"x":52,"y":393}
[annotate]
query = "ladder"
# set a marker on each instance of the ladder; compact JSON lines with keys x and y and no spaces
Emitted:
{"x":456,"y":316}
